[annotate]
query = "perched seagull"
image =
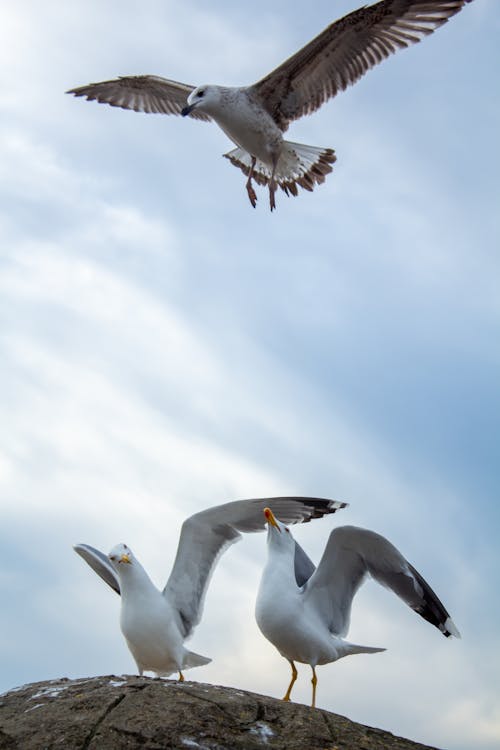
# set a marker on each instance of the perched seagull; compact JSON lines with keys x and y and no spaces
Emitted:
{"x":305,"y":612}
{"x":255,"y":117}
{"x":156,"y":623}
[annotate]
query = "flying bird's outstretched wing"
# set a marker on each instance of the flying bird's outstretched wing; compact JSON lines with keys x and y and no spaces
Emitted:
{"x":142,"y":94}
{"x":350,"y":555}
{"x":206,"y":535}
{"x":345,"y":51}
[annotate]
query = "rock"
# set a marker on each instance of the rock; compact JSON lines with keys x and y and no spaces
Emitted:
{"x":124,"y":713}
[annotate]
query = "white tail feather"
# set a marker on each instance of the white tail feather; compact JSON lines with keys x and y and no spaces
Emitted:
{"x":346,"y":649}
{"x":298,"y":165}
{"x":194,"y":660}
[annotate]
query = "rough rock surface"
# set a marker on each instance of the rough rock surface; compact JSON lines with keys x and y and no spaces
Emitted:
{"x":118,"y":713}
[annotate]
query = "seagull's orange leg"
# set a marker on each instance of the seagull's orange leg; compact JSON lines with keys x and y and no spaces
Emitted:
{"x":251,"y":192}
{"x":292,"y":681}
{"x":314,"y":681}
{"x":181,"y":676}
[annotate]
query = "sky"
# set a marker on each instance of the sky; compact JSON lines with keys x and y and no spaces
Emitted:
{"x":165,"y":347}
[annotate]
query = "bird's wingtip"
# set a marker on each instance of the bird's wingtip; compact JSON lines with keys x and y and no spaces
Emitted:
{"x":451,"y":629}
{"x":337,"y":505}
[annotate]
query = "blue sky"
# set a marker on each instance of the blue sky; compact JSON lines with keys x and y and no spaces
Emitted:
{"x":165,"y":347}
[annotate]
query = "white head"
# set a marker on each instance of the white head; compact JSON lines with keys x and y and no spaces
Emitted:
{"x":128,"y":568}
{"x":205,"y":98}
{"x":121,"y":555}
{"x":278,"y":535}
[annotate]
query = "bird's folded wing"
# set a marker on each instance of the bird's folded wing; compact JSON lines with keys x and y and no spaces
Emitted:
{"x":99,"y":563}
{"x":142,"y":94}
{"x":345,"y":51}
{"x":352,"y":553}
{"x":303,"y":565}
{"x":206,"y":535}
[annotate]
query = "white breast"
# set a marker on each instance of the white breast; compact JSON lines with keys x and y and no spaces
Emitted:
{"x":291,"y":626}
{"x":248,"y":125}
{"x":151,"y":633}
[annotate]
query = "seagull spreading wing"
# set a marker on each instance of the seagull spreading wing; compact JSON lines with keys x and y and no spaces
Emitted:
{"x":255,"y":117}
{"x":156,"y":623}
{"x":307,"y":617}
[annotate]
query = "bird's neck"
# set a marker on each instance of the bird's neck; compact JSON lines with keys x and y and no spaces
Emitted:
{"x":280,"y":566}
{"x":135,"y":579}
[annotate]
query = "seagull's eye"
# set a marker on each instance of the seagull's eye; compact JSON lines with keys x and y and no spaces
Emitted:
{"x":201,"y":94}
{"x":287,"y":530}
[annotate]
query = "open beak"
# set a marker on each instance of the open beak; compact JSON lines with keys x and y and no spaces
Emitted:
{"x":125,"y":559}
{"x":187,"y":110}
{"x":271,"y":519}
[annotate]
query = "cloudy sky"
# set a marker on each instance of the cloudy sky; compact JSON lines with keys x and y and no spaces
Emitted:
{"x":165,"y":347}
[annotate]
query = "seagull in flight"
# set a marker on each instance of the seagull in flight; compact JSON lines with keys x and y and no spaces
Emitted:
{"x":156,"y":623}
{"x":305,"y":611}
{"x":255,"y":117}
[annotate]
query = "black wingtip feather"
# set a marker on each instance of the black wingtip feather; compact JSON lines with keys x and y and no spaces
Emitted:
{"x":322,"y":508}
{"x":432,"y":609}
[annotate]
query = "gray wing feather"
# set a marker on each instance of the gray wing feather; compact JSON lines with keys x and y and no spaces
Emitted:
{"x":345,"y":51}
{"x":142,"y":94}
{"x":205,"y":536}
{"x":353,"y":553}
{"x":99,"y":563}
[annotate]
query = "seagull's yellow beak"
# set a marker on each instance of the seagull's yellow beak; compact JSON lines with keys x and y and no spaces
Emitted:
{"x":125,"y":559}
{"x":271,"y":519}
